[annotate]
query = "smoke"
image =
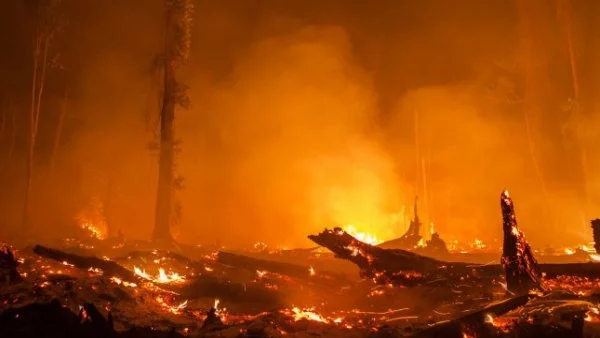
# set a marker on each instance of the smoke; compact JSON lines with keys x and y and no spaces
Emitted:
{"x":294,"y":147}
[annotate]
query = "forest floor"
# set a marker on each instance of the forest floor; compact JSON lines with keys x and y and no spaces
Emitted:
{"x":140,"y":289}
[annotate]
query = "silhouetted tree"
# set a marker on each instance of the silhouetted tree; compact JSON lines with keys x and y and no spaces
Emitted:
{"x":48,"y":23}
{"x":178,"y":19}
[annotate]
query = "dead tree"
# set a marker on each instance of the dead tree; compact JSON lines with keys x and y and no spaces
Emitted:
{"x":520,"y":266}
{"x":176,"y":50}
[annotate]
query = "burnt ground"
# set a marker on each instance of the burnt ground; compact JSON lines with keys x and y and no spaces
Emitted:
{"x":296,"y":293}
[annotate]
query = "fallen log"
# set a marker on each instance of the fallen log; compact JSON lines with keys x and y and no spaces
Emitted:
{"x":301,"y":272}
{"x":82,"y":262}
{"x":385,"y":265}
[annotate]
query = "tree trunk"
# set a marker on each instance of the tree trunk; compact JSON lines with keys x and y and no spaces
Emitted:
{"x":2,"y":124}
{"x":34,"y":117}
{"x":531,"y":92}
{"x":164,"y":196}
{"x":13,"y":135}
{"x":59,"y":128}
{"x":563,"y":12}
{"x":32,"y":114}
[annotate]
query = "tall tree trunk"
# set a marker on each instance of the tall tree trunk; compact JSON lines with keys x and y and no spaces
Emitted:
{"x":531,"y":98}
{"x":164,"y":197}
{"x":59,"y":128}
{"x":32,"y":114}
{"x":563,"y":12}
{"x":3,"y":121}
{"x":13,"y":134}
{"x":37,"y":92}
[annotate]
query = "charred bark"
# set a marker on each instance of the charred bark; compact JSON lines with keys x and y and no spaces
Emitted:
{"x":520,"y":266}
{"x":164,"y":193}
{"x":162,"y":226}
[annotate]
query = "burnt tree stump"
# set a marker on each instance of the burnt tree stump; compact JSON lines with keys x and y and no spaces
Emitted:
{"x":520,"y":266}
{"x":8,"y":267}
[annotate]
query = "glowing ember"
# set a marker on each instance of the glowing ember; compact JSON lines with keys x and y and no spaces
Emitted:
{"x":311,"y":271}
{"x":569,"y":251}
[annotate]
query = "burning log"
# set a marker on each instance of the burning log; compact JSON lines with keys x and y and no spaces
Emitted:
{"x":596,"y":233}
{"x":8,"y":268}
{"x":520,"y":266}
{"x":385,"y":265}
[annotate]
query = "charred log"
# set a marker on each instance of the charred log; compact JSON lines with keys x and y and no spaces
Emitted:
{"x":596,"y":233}
{"x":385,"y":265}
{"x":292,"y":270}
{"x":520,"y":266}
{"x":107,"y":266}
{"x":212,"y":287}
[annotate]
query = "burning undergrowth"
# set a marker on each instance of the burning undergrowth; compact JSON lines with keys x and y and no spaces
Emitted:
{"x":106,"y":287}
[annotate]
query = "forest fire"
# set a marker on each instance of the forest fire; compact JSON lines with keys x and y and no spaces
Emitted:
{"x":264,"y":169}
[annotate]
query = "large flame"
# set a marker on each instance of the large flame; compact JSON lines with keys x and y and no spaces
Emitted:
{"x":364,"y":237}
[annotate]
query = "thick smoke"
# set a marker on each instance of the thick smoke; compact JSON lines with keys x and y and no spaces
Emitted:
{"x":293,"y":146}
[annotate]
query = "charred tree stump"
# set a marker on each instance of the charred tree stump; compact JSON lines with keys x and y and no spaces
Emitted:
{"x":596,"y":233}
{"x":8,"y":268}
{"x":520,"y":266}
